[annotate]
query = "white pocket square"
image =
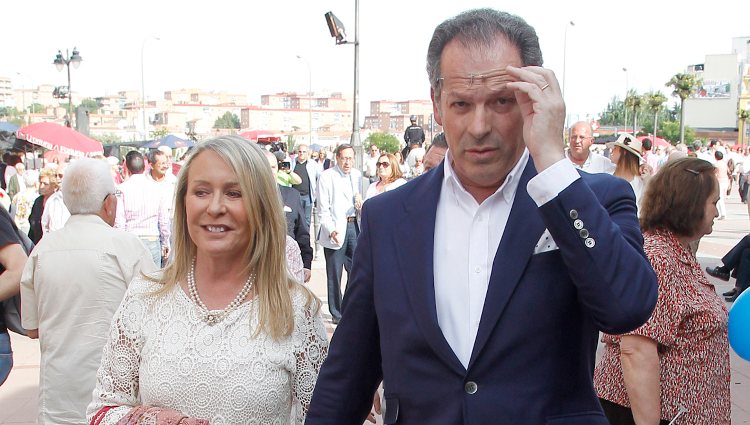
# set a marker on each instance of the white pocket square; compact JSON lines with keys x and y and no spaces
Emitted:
{"x":287,"y":209}
{"x":545,"y":243}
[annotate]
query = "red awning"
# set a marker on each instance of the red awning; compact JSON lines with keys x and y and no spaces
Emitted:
{"x":59,"y":138}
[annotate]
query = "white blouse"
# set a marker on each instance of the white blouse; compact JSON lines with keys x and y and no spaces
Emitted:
{"x":161,"y":353}
{"x":372,"y":190}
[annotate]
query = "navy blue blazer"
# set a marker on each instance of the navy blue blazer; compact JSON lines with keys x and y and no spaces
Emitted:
{"x":533,"y":358}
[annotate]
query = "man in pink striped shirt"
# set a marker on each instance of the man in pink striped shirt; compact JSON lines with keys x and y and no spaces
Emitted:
{"x":143,"y":209}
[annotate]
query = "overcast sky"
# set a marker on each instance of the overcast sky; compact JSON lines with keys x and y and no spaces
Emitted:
{"x":250,"y":47}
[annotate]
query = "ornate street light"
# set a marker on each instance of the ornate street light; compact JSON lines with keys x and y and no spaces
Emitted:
{"x":61,"y":62}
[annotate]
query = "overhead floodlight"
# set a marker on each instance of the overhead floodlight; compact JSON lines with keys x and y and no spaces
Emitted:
{"x":336,"y":27}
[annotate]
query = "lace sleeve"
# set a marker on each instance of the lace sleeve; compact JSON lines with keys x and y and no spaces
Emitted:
{"x":310,"y":350}
{"x":117,"y":377}
{"x":294,"y":260}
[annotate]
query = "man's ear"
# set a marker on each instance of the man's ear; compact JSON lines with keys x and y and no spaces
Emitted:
{"x":436,"y":106}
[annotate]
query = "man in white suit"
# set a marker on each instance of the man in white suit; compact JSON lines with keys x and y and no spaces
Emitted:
{"x":339,"y":200}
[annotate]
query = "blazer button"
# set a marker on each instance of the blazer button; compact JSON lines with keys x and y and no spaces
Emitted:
{"x":589,"y":242}
{"x":584,"y":233}
{"x":573,"y":214}
{"x":470,"y":387}
{"x":578,"y":224}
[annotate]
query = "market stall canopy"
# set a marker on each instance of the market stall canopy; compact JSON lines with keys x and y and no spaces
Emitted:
{"x":655,"y":141}
{"x":59,"y":138}
{"x":8,"y":127}
{"x":254,"y":135}
{"x":169,"y":141}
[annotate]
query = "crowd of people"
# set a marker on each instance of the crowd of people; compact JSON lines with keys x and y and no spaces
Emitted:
{"x":481,"y":270}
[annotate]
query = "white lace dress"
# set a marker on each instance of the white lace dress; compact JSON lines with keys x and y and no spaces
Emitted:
{"x":161,"y":353}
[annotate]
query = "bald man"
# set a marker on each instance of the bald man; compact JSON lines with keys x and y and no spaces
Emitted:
{"x":579,"y":153}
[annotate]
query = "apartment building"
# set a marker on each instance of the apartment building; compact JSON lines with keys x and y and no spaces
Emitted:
{"x":387,"y":116}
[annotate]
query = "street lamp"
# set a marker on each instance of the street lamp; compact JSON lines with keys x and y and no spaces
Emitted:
{"x":565,"y":54}
{"x":338,"y":32}
{"x":565,"y":57}
{"x":309,"y":94}
{"x":143,"y":85}
{"x":625,"y":124}
{"x":61,"y":62}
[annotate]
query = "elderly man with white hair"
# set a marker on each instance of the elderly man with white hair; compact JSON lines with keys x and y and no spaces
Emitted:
{"x":71,"y":286}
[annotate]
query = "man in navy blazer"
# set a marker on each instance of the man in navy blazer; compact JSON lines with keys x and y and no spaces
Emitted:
{"x":478,"y":290}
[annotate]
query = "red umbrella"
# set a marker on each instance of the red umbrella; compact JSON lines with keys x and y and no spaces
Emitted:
{"x":62,"y":139}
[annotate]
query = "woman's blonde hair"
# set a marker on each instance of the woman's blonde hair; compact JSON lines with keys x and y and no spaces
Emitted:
{"x":266,"y":251}
{"x":395,"y":169}
{"x":628,"y":163}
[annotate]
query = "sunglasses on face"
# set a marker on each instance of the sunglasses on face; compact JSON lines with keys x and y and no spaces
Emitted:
{"x":383,"y":164}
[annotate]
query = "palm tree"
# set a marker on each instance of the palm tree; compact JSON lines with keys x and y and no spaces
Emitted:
{"x":654,"y":101}
{"x":743,"y":115}
{"x":682,"y":86}
{"x":634,"y":101}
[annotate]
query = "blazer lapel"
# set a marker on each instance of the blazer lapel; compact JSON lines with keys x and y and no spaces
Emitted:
{"x":516,"y":247}
{"x":415,"y":255}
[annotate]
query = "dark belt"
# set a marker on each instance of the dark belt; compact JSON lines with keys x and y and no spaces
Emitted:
{"x":351,"y":219}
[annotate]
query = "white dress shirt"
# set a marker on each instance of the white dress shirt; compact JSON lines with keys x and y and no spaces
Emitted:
{"x":168,"y":184}
{"x":71,"y":286}
{"x":595,"y":163}
{"x":55,"y":213}
{"x":467,"y":236}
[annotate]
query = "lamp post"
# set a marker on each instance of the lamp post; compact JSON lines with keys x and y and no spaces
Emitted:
{"x":565,"y":54}
{"x":309,"y":94}
{"x":143,"y":85}
{"x":565,"y":58}
{"x":625,"y":124}
{"x":356,"y":140}
{"x":61,"y":62}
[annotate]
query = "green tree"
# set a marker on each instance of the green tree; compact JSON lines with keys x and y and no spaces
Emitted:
{"x":743,"y":115}
{"x":682,"y":86}
{"x":90,"y":105}
{"x":36,"y":108}
{"x":670,"y":130}
{"x":228,"y":120}
{"x":290,"y":143}
{"x":384,"y":141}
{"x":634,"y":101}
{"x":108,"y":138}
{"x":654,"y":102}
{"x":8,"y":111}
{"x":615,"y":113}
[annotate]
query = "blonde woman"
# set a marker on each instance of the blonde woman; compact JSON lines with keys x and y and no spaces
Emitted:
{"x":224,"y":334}
{"x":389,"y":176}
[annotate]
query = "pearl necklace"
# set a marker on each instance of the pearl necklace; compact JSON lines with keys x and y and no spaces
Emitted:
{"x":213,"y":317}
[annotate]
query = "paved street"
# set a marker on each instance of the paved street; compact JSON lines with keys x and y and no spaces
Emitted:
{"x":18,"y":396}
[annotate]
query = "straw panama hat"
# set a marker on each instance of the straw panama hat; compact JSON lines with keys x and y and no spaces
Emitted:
{"x":629,"y":143}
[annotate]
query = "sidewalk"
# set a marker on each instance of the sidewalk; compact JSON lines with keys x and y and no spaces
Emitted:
{"x":18,"y":396}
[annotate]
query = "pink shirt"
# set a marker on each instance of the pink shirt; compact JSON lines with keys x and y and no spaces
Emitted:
{"x":722,"y":171}
{"x":142,"y":209}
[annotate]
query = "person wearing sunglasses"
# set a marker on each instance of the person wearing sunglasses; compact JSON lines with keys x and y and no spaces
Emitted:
{"x":389,"y":176}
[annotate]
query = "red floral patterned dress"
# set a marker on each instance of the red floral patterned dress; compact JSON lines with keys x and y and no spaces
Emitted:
{"x":689,"y":325}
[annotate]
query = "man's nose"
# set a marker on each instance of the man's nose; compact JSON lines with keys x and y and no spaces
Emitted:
{"x":480,"y":126}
